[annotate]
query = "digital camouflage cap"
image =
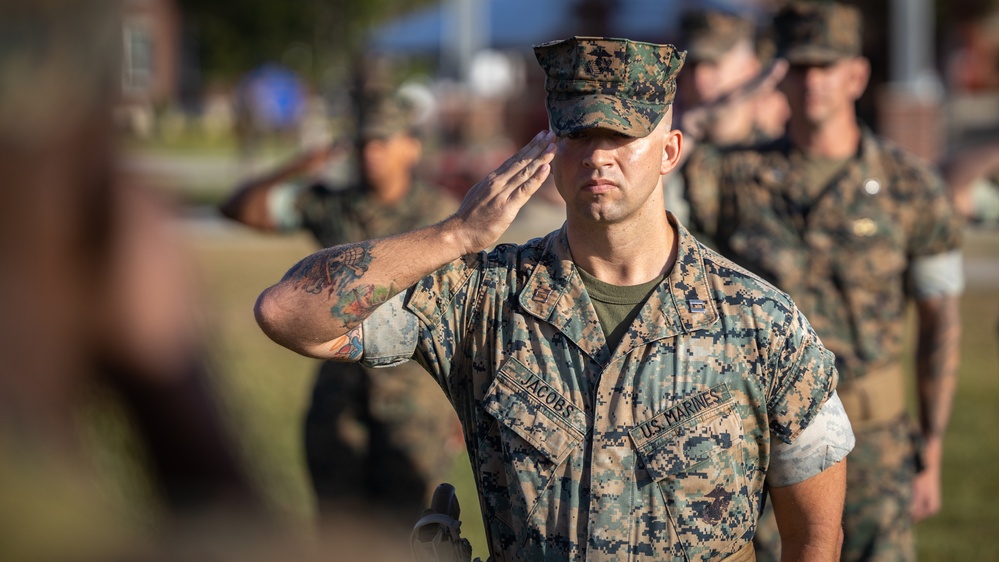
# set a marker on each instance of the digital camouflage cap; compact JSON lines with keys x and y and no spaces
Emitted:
{"x":708,"y":34}
{"x":817,"y":33}
{"x":383,"y":116}
{"x":618,"y":84}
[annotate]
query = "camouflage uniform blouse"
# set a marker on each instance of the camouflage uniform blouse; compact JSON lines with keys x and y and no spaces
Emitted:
{"x":844,"y":255}
{"x":351,"y":215}
{"x":654,"y":451}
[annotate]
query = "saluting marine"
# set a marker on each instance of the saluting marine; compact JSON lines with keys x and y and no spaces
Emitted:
{"x":625,"y":392}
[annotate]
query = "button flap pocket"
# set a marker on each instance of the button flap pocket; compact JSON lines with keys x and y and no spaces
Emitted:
{"x":688,"y":434}
{"x":532,"y":409}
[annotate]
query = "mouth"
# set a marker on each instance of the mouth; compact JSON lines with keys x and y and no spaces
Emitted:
{"x":599,"y":186}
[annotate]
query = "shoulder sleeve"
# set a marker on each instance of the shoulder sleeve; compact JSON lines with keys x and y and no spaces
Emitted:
{"x":443,"y":304}
{"x":938,"y":275}
{"x":804,"y":377}
{"x":936,"y":227}
{"x":323,"y":212}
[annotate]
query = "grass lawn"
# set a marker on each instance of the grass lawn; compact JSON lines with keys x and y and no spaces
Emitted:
{"x":265,"y":390}
{"x":966,"y":527}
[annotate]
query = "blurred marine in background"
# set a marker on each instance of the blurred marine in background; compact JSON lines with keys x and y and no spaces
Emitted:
{"x":854,"y":229}
{"x":377,"y":440}
{"x":727,"y":96}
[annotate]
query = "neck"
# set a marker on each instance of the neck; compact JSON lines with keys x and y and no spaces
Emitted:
{"x":838,"y":137}
{"x":390,"y":192}
{"x":630,"y":253}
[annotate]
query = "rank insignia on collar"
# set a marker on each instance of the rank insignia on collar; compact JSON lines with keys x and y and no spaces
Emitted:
{"x":696,"y":305}
{"x":541,"y":294}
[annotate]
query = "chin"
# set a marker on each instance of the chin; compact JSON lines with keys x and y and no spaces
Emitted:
{"x":601,"y":215}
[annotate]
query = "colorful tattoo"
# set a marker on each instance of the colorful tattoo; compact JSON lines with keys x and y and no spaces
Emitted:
{"x":355,"y":305}
{"x":348,"y":347}
{"x":331,"y":269}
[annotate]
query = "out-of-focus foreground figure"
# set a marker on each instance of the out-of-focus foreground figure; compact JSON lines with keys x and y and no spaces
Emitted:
{"x":94,"y":291}
{"x":376,"y":440}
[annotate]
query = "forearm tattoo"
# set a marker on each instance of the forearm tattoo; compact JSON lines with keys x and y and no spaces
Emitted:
{"x":348,"y":347}
{"x":937,"y":363}
{"x":337,"y":271}
{"x":358,"y":303}
{"x":331,"y":270}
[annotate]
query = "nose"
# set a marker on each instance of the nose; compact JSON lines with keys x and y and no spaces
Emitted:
{"x":813,"y":77}
{"x":597,"y":153}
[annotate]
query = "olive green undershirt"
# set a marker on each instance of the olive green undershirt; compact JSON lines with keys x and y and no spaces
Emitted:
{"x":616,"y":306}
{"x":819,"y":171}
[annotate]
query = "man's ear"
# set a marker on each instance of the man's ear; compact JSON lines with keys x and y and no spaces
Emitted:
{"x":672,"y":146}
{"x":415,"y":149}
{"x":860,"y":75}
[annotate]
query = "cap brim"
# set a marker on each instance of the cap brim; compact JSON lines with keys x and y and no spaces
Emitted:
{"x":576,"y":113}
{"x":708,"y":51}
{"x":813,"y":55}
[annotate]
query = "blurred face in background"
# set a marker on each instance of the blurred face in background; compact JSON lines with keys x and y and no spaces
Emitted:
{"x":822,"y":93}
{"x":771,"y":113}
{"x":706,"y":81}
{"x":387,"y":163}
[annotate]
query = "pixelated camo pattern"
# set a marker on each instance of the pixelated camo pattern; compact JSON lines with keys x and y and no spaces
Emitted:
{"x":843,"y":255}
{"x":618,"y":84}
{"x":656,"y":450}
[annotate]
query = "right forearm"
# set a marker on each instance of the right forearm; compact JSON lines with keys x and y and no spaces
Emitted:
{"x":328,"y":294}
{"x":331,"y":292}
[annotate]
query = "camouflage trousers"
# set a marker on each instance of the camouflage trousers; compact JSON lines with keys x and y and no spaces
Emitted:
{"x":378,"y":441}
{"x":876,"y":522}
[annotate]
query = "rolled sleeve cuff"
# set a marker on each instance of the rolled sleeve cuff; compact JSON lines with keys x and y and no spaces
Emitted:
{"x":825,"y":442}
{"x":390,"y":334}
{"x":282,"y":206}
{"x":939,"y":275}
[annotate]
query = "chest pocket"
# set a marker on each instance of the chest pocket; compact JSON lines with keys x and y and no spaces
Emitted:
{"x":764,"y":240}
{"x":535,"y":431}
{"x":694,"y":453}
{"x":869,"y":268}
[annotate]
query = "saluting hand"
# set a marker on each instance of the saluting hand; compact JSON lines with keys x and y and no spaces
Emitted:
{"x":491,"y":205}
{"x":696,"y":120}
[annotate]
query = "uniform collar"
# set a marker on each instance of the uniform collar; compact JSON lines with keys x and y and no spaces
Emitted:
{"x":554,"y":293}
{"x":863,"y":174}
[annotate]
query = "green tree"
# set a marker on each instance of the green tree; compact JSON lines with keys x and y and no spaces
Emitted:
{"x":234,"y":36}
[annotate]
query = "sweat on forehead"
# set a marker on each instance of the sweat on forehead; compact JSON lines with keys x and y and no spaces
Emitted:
{"x":616,"y":84}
